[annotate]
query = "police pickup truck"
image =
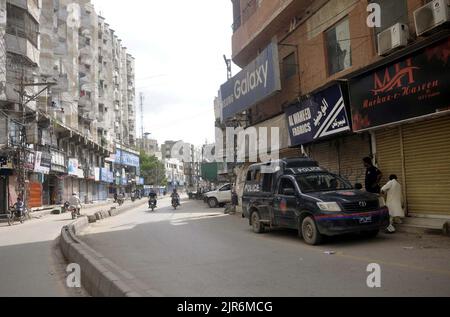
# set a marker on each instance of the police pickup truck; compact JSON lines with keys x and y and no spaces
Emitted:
{"x":298,"y":194}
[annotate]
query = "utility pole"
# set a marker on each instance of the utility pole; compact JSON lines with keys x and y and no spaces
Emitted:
{"x":142,"y":119}
{"x":24,"y":100}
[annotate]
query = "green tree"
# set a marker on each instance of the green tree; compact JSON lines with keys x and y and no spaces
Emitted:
{"x":153,"y":171}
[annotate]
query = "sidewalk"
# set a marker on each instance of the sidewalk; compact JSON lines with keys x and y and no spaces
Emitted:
{"x":88,"y":210}
{"x":48,"y":210}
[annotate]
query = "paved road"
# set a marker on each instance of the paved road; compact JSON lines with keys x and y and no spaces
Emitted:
{"x":31,"y":264}
{"x":200,"y":252}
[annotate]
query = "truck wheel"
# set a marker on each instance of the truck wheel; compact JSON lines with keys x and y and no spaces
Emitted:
{"x":257,"y":226}
{"x":310,"y":233}
{"x":213,"y":203}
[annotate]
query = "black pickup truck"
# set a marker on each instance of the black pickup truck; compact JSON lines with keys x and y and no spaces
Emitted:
{"x":299,"y":194}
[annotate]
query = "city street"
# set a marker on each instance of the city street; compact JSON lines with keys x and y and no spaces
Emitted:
{"x":197,"y":251}
{"x":30,"y":260}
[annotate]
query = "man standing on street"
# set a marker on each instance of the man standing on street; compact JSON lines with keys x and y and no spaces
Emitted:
{"x":373,"y":177}
{"x":394,"y":201}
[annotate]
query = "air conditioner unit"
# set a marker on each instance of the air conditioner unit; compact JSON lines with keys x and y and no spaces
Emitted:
{"x":393,"y":38}
{"x":431,"y":15}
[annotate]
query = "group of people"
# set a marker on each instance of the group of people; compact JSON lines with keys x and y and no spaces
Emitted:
{"x":392,"y":190}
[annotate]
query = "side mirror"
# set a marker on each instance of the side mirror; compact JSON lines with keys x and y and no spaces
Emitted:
{"x":289,"y":192}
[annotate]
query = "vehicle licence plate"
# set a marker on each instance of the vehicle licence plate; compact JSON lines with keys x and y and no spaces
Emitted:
{"x":365,"y":220}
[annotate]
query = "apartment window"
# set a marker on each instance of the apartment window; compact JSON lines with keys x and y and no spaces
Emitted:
{"x":338,"y":45}
{"x":289,"y":66}
{"x":20,"y":23}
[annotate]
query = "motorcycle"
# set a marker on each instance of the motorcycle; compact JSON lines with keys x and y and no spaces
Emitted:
{"x":66,"y":207}
{"x":120,"y":201}
{"x":20,"y":214}
{"x":152,"y":204}
{"x":175,"y":203}
{"x":75,"y":212}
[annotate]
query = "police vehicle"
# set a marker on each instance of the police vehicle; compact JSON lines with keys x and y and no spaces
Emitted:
{"x":299,"y":194}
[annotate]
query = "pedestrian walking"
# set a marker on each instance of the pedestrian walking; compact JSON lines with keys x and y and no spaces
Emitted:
{"x":373,"y":176}
{"x":394,"y":201}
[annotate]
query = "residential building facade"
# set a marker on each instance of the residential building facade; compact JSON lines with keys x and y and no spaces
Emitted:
{"x":66,"y":102}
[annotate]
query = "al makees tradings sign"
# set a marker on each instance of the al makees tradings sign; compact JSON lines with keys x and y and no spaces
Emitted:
{"x":415,"y":86}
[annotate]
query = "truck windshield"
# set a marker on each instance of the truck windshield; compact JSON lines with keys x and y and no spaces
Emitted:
{"x":322,"y":182}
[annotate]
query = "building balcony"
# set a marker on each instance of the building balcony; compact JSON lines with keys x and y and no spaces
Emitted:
{"x":23,"y":47}
{"x":85,"y":102}
{"x":258,"y":28}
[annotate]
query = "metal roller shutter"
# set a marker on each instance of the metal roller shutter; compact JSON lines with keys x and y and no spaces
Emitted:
{"x":389,"y":156}
{"x":290,"y":153}
{"x":427,"y":165}
{"x":352,"y":150}
{"x":35,"y":195}
{"x":326,"y":154}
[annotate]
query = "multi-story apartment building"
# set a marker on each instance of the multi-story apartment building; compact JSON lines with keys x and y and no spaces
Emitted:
{"x":79,"y":95}
{"x":341,"y":87}
{"x":149,"y":146}
{"x":174,"y":173}
{"x":19,"y":71}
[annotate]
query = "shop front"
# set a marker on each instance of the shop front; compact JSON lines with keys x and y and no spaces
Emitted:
{"x":321,"y":126}
{"x":405,"y":105}
{"x":6,"y":170}
{"x":58,"y":176}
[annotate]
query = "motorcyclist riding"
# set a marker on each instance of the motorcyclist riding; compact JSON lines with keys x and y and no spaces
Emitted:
{"x":19,"y":207}
{"x":153,"y":197}
{"x":75,"y":203}
{"x":175,"y":197}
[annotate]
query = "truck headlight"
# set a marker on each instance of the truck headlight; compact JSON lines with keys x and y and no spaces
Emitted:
{"x":329,"y":207}
{"x":382,"y":202}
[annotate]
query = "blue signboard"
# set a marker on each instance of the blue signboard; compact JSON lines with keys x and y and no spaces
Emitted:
{"x":126,"y":158}
{"x":259,"y":80}
{"x":106,"y":176}
{"x":322,"y":115}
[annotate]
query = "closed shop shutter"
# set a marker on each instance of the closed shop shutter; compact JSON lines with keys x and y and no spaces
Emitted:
{"x":427,"y":166}
{"x":389,"y":157}
{"x":290,"y":153}
{"x":326,"y":153}
{"x":35,"y":198}
{"x":352,"y":150}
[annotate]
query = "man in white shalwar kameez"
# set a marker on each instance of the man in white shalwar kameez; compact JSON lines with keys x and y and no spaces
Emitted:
{"x":394,"y":202}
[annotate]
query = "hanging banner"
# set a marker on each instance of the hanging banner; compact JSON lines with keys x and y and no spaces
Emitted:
{"x":321,"y":116}
{"x":72,"y":168}
{"x":97,"y":174}
{"x":412,"y":87}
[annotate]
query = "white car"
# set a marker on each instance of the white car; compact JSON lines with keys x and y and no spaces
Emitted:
{"x":219,"y":197}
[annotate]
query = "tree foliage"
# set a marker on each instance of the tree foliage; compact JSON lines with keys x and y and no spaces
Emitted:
{"x":153,"y":171}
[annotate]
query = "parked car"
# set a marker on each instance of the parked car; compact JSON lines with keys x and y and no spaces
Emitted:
{"x":219,"y":197}
{"x":298,"y":194}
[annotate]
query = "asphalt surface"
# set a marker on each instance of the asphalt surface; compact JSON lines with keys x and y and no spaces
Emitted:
{"x":31,"y":264}
{"x":197,"y":251}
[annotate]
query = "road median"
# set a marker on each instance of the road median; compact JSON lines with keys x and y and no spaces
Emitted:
{"x":99,"y":276}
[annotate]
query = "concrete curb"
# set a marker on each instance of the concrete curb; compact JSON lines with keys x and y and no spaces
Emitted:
{"x":97,"y":277}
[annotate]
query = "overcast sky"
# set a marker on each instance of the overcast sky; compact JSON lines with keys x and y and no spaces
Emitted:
{"x":178,"y":46}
